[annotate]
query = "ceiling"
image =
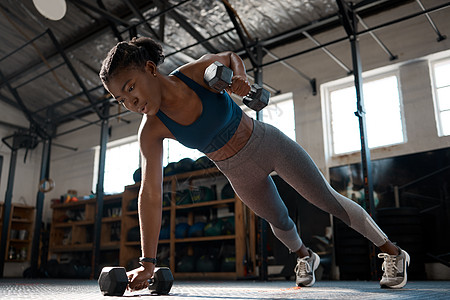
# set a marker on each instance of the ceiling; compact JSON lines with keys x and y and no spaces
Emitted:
{"x":49,"y":69}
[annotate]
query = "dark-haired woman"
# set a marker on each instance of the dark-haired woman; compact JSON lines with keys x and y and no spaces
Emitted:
{"x":181,"y":106}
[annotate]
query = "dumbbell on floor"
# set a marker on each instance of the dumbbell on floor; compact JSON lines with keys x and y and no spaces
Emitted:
{"x":218,"y":77}
{"x":113,"y":281}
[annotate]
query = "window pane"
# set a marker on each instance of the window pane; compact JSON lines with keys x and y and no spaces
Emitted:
{"x":384,"y":123}
{"x":442,"y":74}
{"x":120,"y":164}
{"x":383,"y":116}
{"x":443,"y":97}
{"x":445,"y":121}
{"x":344,"y":124}
{"x":279,"y":113}
{"x":175,"y":151}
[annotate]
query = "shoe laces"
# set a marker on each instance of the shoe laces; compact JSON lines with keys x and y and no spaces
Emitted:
{"x":303,"y":268}
{"x":389,"y":265}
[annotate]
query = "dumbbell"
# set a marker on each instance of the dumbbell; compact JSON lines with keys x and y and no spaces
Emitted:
{"x":218,"y":77}
{"x":113,"y":281}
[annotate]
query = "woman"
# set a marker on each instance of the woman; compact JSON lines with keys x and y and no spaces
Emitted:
{"x":181,"y":106}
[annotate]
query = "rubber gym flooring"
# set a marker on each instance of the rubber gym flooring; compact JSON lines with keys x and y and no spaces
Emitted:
{"x":47,"y":289}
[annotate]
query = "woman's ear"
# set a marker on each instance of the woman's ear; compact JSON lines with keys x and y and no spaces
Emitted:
{"x":150,"y":67}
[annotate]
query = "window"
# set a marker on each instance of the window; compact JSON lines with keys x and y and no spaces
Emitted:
{"x":383,"y":114}
{"x":175,"y":151}
{"x":279,"y":113}
{"x":122,"y":159}
{"x":441,"y":91}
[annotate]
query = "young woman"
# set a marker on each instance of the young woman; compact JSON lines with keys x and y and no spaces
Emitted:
{"x":181,"y":106}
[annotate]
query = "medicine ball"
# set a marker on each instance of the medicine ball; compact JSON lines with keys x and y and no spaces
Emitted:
{"x":202,"y":194}
{"x":227,"y":192}
{"x":181,"y":230}
{"x":196,"y":230}
{"x":206,"y":264}
{"x":137,"y":175}
{"x":184,"y":165}
{"x":169,"y":169}
{"x":228,"y":225}
{"x":228,"y":264}
{"x":186,"y":264}
{"x":134,"y":234}
{"x":202,"y":163}
{"x":214,"y":228}
{"x":164,"y":233}
{"x":183,"y":197}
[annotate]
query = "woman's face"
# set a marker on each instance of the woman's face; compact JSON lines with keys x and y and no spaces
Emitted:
{"x":137,"y":89}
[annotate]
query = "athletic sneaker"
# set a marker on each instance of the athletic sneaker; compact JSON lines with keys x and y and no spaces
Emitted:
{"x":394,"y":267}
{"x":304,"y":270}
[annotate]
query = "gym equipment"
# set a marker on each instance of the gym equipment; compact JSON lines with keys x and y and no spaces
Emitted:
{"x":186,"y":264}
{"x":169,"y":169}
{"x":113,"y":281}
{"x":228,"y":225}
{"x":214,"y":228}
{"x":228,"y":264}
{"x":133,"y":205}
{"x":181,"y":230}
{"x":196,"y":230}
{"x":167,"y":198}
{"x":164,"y":233}
{"x":227,"y":192}
{"x":184,"y":165}
{"x":206,"y":264}
{"x":137,"y":175}
{"x":218,"y":77}
{"x":134,"y":234}
{"x":202,"y":163}
{"x":183,"y":197}
{"x":202,"y":194}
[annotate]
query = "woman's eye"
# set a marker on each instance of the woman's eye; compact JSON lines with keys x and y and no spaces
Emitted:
{"x":131,"y":88}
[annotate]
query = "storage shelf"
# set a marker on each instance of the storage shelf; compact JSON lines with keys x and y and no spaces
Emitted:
{"x":24,"y":221}
{"x":206,"y":239}
{"x":204,"y":204}
{"x":72,"y":248}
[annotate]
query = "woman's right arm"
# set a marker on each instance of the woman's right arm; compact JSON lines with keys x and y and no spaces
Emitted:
{"x":149,"y":205}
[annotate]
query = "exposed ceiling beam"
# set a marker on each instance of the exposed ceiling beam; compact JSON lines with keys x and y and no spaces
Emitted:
{"x":189,"y":28}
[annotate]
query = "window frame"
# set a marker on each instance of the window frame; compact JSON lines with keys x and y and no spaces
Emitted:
{"x":434,"y":88}
{"x":329,"y":87}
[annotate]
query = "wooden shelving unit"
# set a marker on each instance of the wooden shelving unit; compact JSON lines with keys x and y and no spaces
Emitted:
{"x":20,"y":235}
{"x":72,"y":227}
{"x":131,"y":250}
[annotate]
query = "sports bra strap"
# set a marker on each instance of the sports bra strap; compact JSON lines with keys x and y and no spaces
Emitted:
{"x":197,"y":88}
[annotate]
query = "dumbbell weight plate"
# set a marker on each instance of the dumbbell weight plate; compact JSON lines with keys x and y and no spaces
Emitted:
{"x":113,"y":281}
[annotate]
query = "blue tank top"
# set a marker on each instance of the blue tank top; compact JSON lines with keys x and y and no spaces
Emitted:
{"x":216,"y":125}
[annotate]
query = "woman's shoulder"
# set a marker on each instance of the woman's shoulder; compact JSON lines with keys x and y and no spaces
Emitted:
{"x":152,"y":129}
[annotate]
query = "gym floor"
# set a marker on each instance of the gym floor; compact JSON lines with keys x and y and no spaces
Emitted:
{"x":226,"y":290}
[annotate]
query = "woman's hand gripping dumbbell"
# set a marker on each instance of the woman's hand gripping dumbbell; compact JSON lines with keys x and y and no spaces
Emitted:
{"x":219,"y":77}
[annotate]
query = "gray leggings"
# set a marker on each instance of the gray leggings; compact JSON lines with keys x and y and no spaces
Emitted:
{"x":268,"y":150}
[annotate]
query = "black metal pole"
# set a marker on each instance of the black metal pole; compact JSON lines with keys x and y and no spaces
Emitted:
{"x":35,"y":248}
{"x":349,"y":21}
{"x":263,"y":271}
{"x":7,"y":209}
{"x":100,"y":193}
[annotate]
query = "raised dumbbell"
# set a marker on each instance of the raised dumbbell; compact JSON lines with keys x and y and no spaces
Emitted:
{"x":113,"y":281}
{"x":218,"y":77}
